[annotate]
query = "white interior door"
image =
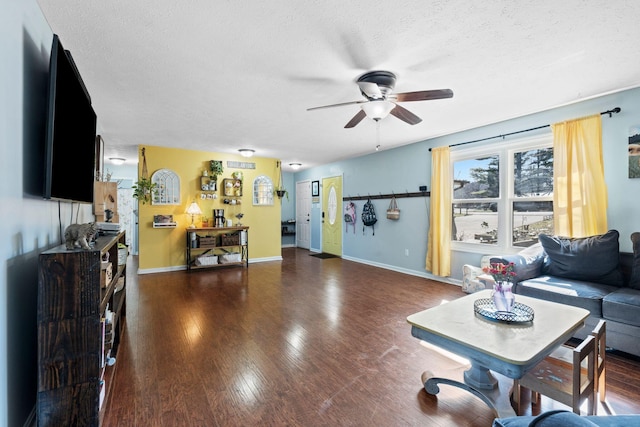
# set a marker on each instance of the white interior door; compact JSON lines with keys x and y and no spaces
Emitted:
{"x":303,"y":214}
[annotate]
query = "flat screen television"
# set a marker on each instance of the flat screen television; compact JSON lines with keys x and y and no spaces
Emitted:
{"x":70,"y":145}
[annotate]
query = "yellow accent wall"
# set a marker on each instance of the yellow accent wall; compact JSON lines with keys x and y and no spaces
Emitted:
{"x":165,"y":248}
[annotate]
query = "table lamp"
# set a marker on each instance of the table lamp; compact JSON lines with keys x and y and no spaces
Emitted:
{"x":193,"y":210}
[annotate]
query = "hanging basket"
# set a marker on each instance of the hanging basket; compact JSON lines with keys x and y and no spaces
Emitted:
{"x":280,"y":193}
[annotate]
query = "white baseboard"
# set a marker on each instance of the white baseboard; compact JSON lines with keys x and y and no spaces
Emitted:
{"x":184,"y":267}
{"x":423,"y":274}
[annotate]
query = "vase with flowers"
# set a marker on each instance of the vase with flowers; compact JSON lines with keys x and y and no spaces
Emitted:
{"x":503,"y":275}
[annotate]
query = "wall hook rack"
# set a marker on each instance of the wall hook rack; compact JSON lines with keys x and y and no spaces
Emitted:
{"x":388,"y":196}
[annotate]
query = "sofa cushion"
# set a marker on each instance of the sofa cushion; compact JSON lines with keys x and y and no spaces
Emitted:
{"x":591,"y":259}
{"x":587,"y":295}
{"x":634,"y":281}
{"x":622,"y":305}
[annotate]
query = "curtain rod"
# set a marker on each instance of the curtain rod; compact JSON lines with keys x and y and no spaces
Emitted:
{"x":609,"y":112}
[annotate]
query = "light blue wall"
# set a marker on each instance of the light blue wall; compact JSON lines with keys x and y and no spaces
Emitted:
{"x":400,"y":170}
{"x":288,"y":205}
{"x":29,"y":225}
{"x":408,"y":167}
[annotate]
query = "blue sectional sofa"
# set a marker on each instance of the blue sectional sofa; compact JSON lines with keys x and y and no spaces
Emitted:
{"x":590,"y":273}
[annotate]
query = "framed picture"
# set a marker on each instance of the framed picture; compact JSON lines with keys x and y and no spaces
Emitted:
{"x":315,"y":188}
{"x":634,"y":152}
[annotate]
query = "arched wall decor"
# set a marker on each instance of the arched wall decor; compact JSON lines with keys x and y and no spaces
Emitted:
{"x":262,"y":191}
{"x":168,"y":187}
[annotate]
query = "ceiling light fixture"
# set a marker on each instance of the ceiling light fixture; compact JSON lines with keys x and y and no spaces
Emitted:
{"x":246,"y":152}
{"x":377,"y":109}
{"x":117,"y":160}
{"x":295,"y":166}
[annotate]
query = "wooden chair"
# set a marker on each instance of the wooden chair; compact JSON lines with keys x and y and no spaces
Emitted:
{"x":600,"y":335}
{"x":565,"y":353}
{"x":569,"y":382}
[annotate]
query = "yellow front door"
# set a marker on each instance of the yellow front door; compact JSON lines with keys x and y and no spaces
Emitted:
{"x":332,"y":215}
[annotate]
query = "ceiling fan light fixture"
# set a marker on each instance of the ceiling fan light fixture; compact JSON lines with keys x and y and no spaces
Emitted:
{"x":377,"y":109}
{"x":246,"y":152}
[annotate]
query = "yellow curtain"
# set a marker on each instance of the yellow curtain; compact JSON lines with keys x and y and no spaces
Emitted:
{"x":579,"y":190}
{"x":439,"y":243}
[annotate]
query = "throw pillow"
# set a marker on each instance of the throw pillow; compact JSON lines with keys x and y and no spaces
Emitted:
{"x":592,"y":259}
{"x":634,"y":281}
{"x":470,"y":282}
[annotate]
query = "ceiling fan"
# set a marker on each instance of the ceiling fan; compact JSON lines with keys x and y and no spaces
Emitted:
{"x":380,"y":101}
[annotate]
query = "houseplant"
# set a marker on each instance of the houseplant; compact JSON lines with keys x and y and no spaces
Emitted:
{"x":144,"y":189}
{"x":216,"y":169}
{"x":280,"y":192}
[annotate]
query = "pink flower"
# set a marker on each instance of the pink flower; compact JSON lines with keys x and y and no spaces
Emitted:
{"x":501,"y":272}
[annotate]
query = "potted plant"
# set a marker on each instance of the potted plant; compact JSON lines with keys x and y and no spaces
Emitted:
{"x":216,"y":169}
{"x":280,"y":191}
{"x":144,"y":189}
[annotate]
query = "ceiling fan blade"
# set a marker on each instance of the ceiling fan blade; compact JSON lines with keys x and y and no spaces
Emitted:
{"x":422,"y":95}
{"x":405,"y":115}
{"x":371,"y":90}
{"x":336,"y":105}
{"x":356,"y":119}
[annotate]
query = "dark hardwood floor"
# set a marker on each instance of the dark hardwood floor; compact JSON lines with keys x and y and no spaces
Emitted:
{"x":302,"y":342}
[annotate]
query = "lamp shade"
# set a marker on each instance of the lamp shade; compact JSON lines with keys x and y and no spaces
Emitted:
{"x":194,"y":209}
{"x":377,"y":109}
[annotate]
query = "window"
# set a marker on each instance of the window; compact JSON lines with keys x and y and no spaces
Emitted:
{"x":503,"y":193}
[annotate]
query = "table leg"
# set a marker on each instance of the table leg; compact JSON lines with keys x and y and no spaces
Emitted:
{"x":497,"y":398}
{"x":480,"y":377}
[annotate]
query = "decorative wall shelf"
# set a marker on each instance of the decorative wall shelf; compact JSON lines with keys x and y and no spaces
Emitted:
{"x":163,"y":221}
{"x":232,"y":187}
{"x":207,"y":183}
{"x":165,"y":225}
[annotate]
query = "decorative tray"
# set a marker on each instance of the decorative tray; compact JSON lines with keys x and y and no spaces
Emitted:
{"x":520,"y":314}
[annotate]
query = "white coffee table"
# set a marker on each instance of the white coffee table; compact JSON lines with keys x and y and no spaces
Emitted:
{"x":506,"y":348}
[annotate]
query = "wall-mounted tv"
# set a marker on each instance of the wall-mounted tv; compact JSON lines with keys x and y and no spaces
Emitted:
{"x":70,"y":145}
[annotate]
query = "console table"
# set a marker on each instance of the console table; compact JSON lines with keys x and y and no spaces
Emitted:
{"x":207,"y":247}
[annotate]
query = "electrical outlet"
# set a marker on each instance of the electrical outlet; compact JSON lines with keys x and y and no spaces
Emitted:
{"x":406,"y":252}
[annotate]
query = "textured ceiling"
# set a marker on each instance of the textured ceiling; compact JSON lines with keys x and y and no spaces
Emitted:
{"x":222,"y":75}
